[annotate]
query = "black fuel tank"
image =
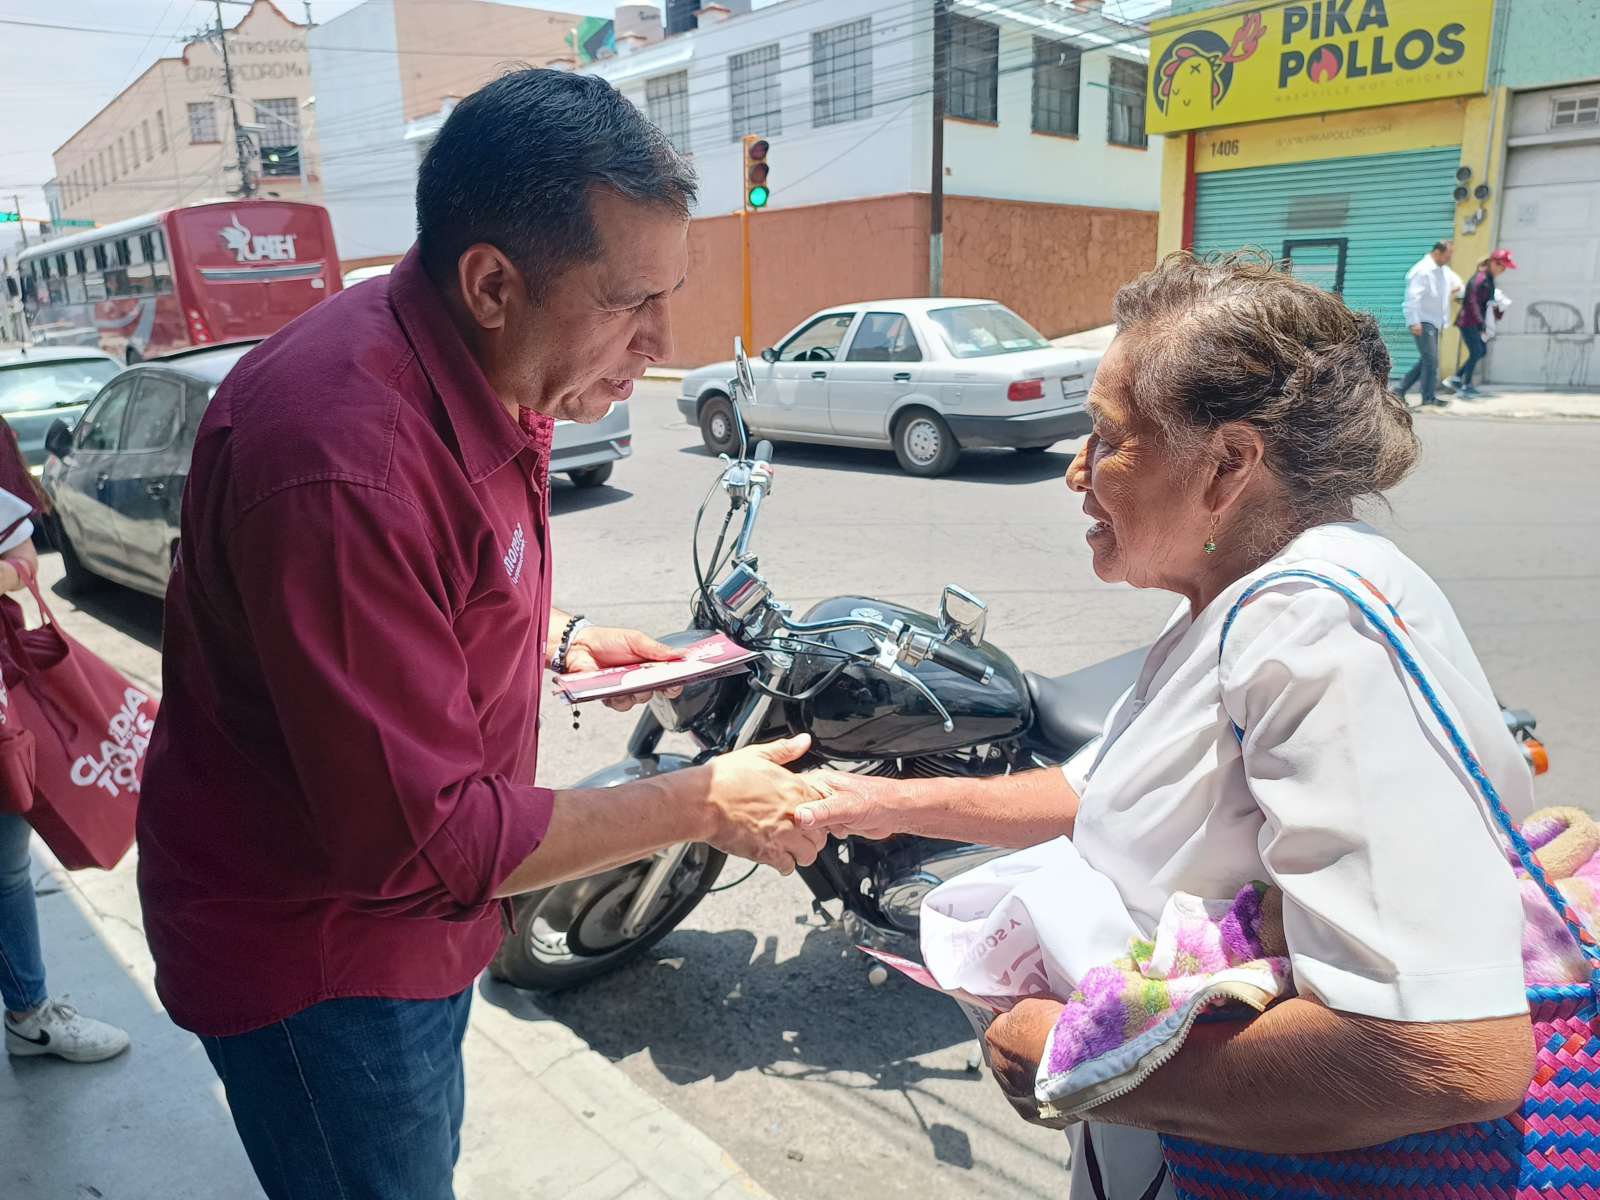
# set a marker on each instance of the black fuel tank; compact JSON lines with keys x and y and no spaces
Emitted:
{"x":864,"y":713}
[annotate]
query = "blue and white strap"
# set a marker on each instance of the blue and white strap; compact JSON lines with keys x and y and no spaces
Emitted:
{"x":1530,"y":861}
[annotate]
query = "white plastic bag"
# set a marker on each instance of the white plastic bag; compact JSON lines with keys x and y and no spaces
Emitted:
{"x":1029,"y":924}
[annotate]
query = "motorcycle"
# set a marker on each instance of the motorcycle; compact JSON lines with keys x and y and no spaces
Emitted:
{"x":883,"y":690}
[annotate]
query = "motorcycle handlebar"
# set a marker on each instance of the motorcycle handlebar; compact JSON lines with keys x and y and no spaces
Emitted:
{"x":962,"y":661}
{"x":763,"y":451}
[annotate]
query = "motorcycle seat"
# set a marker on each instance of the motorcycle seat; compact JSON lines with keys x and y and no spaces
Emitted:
{"x":1070,"y":710}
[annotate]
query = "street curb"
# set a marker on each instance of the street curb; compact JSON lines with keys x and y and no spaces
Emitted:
{"x":547,"y":1116}
{"x":666,"y":373}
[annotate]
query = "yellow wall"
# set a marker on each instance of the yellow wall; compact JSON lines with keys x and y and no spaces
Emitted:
{"x":1169,"y":230}
{"x":1331,"y":135}
{"x":1483,"y":148}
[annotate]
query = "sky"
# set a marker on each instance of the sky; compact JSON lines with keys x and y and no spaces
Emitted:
{"x":53,"y":80}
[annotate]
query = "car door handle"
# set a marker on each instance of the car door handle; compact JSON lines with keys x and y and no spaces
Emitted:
{"x":819,"y":374}
{"x":902,"y":376}
{"x":156,"y":487}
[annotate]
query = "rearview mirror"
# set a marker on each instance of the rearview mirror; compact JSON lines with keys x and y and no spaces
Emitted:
{"x":963,"y":616}
{"x":59,"y":438}
{"x":769,"y":355}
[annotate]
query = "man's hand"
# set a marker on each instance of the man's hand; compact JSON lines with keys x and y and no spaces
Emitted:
{"x":1416,"y":331}
{"x":596,"y":647}
{"x":852,"y":805}
{"x":753,"y":799}
{"x":1016,"y":1044}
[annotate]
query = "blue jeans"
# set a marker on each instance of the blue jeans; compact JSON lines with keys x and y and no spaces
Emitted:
{"x":351,"y":1099}
{"x":1476,"y":349}
{"x":21,"y":961}
{"x":1426,"y":368}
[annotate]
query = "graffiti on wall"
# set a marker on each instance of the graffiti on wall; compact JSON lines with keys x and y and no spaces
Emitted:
{"x":1569,"y":340}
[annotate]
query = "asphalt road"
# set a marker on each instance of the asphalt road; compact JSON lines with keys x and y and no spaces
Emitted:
{"x":755,"y":1021}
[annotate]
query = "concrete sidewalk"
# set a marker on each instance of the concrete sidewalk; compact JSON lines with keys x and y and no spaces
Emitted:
{"x":1522,"y":404}
{"x":547,"y":1117}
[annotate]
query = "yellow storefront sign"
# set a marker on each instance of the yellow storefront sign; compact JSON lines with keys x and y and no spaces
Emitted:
{"x":1333,"y":135}
{"x":1258,"y":62}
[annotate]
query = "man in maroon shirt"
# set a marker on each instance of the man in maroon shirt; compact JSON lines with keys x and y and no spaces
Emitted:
{"x":340,"y":788}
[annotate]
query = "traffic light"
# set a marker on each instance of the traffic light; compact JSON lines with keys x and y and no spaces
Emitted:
{"x":756,"y":193}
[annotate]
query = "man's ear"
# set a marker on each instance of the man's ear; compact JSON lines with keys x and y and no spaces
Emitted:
{"x":489,"y":283}
{"x":1240,"y":454}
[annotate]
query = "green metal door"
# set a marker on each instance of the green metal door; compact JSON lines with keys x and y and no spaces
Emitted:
{"x":1355,"y":225}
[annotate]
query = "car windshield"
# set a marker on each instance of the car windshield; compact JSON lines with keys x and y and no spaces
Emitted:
{"x":980,"y":330}
{"x":56,"y":383}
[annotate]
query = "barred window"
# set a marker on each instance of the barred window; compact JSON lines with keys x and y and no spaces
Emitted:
{"x":1570,"y":111}
{"x":1055,"y":86}
{"x":280,"y":135}
{"x":841,"y":73}
{"x":203,"y":122}
{"x":144,"y":128}
{"x":1126,"y":120}
{"x":973,"y":72}
{"x":754,"y":79}
{"x":666,"y":102}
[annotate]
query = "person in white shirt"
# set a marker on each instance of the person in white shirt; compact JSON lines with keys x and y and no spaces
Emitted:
{"x":1429,"y":286}
{"x":1239,"y":416}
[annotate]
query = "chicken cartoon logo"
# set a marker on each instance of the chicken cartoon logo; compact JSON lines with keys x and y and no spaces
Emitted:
{"x":1195,"y":72}
{"x":248,"y":247}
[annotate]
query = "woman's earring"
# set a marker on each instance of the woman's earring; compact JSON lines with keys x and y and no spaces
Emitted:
{"x":1211,"y":542}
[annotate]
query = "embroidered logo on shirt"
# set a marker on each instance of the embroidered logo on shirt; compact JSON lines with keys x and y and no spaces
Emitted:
{"x":517,"y":555}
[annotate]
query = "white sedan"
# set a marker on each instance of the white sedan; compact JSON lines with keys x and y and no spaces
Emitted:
{"x":926,"y":378}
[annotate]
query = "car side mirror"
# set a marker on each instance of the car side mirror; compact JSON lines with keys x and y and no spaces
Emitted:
{"x":769,"y":355}
{"x":59,"y":438}
{"x":963,"y":616}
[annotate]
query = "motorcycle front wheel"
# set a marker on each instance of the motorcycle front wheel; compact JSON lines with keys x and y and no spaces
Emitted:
{"x":571,"y":933}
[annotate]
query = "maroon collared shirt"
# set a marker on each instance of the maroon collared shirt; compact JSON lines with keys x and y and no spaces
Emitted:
{"x":342,"y":772}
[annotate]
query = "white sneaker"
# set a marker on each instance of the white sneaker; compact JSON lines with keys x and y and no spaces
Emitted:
{"x":59,"y":1029}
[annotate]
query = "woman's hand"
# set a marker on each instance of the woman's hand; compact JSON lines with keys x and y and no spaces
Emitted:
{"x":18,"y":567}
{"x":596,"y":647}
{"x":1016,"y":1045}
{"x":852,"y":805}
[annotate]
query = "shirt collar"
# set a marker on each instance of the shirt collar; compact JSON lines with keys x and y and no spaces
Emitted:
{"x":486,"y":436}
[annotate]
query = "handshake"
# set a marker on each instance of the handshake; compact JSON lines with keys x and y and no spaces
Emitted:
{"x":760,"y":810}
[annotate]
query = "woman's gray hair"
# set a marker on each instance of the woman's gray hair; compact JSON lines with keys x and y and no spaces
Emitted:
{"x":1224,"y":338}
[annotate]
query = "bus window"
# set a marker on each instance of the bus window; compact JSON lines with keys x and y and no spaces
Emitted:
{"x":147,"y":247}
{"x":80,"y":260}
{"x":76,"y":293}
{"x":100,"y":263}
{"x":163,"y":277}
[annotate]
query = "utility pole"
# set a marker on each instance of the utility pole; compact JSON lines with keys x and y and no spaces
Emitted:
{"x":941,"y":58}
{"x":241,"y":140}
{"x":22,"y":226}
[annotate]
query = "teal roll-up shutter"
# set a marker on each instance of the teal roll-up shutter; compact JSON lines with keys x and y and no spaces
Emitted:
{"x":1378,"y":214}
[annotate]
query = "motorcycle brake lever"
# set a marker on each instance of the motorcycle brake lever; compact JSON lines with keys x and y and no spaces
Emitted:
{"x":901,"y":673}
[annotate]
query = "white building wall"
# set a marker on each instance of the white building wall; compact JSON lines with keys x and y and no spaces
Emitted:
{"x":871,"y":156}
{"x":369,"y":170}
{"x":888,"y":152}
{"x":1010,"y":162}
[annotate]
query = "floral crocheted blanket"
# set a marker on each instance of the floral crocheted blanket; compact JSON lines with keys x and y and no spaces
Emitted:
{"x":1228,"y":959}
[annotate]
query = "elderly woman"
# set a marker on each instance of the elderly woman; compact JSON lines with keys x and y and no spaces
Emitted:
{"x":1239,"y":417}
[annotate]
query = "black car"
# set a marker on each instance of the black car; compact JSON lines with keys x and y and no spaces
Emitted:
{"x":116,"y":478}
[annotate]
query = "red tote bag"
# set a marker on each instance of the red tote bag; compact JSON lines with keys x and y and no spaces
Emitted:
{"x":90,"y":728}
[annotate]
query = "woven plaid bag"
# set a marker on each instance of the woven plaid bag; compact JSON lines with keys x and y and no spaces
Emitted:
{"x":1550,"y":1148}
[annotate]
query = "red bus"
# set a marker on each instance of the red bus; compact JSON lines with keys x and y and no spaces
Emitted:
{"x":182,"y":277}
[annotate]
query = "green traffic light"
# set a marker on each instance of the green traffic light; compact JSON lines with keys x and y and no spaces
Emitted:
{"x":759,"y":196}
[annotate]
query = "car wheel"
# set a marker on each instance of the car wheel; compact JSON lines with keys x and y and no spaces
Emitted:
{"x":924,"y":444}
{"x":79,"y":578}
{"x":588,"y":477}
{"x":719,"y":428}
